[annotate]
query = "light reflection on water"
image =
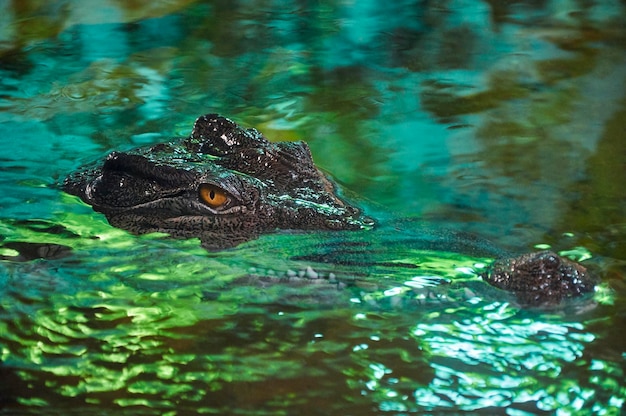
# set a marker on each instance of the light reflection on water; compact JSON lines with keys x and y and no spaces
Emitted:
{"x":175,"y":336}
{"x":505,"y":120}
{"x":493,"y":359}
{"x":506,"y":349}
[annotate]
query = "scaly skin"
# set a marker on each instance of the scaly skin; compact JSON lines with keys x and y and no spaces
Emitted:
{"x":266,"y":186}
{"x":226,"y":185}
{"x":541,"y":279}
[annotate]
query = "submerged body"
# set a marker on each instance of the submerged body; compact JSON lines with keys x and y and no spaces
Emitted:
{"x":225,"y":185}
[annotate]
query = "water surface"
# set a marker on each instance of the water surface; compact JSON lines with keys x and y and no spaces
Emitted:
{"x":505,"y":121}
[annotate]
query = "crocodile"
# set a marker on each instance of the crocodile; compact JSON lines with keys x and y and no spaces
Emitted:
{"x":226,"y":184}
{"x":223,"y":184}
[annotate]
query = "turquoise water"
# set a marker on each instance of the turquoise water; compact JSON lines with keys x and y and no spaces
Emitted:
{"x":502,"y":120}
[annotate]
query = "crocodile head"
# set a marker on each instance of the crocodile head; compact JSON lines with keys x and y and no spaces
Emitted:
{"x":223,"y":184}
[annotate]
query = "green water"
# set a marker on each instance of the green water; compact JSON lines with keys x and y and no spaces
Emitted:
{"x":501,"y":119}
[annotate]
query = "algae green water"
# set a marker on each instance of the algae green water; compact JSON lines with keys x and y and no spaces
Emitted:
{"x":505,"y":120}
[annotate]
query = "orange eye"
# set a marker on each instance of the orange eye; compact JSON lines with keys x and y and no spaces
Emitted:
{"x":212,"y":195}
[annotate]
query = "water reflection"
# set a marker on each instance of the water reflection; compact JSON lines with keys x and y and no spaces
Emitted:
{"x":497,"y":117}
{"x":493,"y":358}
{"x":185,"y":332}
{"x":505,"y":347}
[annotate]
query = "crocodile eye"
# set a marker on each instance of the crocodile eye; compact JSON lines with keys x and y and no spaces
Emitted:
{"x":212,"y":195}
